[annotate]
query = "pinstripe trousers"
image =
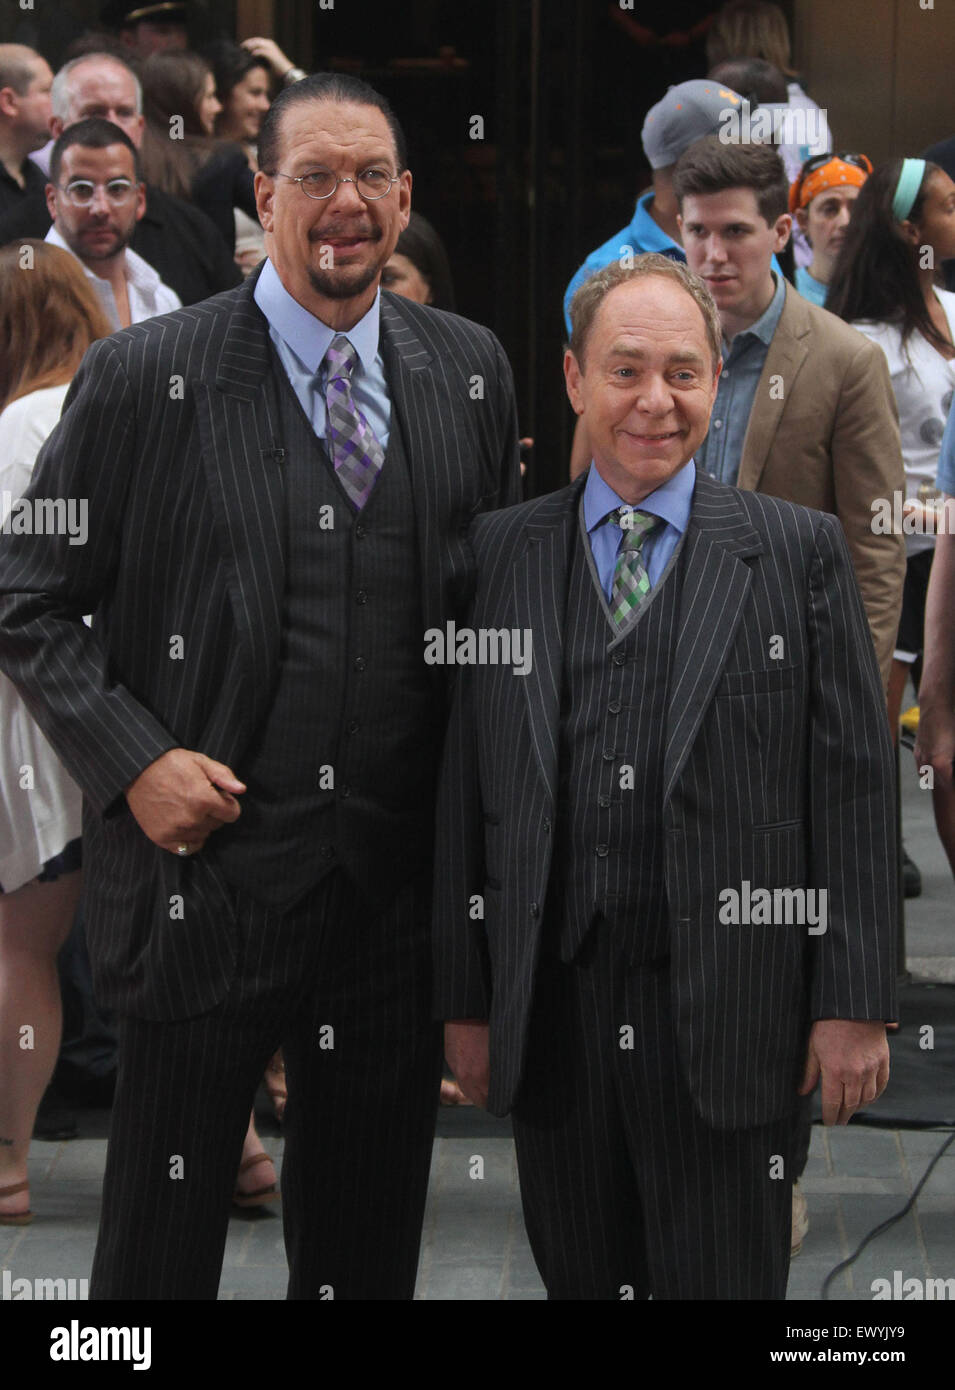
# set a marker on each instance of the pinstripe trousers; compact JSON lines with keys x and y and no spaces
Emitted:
{"x":348,"y":997}
{"x":627,"y":1193}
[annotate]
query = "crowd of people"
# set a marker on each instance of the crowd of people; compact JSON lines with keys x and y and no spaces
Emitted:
{"x":162,"y":670}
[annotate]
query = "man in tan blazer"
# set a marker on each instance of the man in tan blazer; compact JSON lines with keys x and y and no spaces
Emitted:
{"x":805,"y":408}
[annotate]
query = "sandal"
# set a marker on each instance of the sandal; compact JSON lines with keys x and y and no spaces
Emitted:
{"x":275,"y":1085}
{"x":259,"y":1195}
{"x":15,"y":1218}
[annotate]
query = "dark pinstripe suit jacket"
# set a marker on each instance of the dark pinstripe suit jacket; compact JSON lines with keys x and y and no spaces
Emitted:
{"x":172,"y":432}
{"x":778,"y":772}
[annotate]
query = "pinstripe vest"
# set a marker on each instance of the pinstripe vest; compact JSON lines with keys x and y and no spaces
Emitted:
{"x":612,"y":728}
{"x":342,"y":770}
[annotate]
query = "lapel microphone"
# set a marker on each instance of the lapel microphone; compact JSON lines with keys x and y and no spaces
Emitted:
{"x":274,"y":455}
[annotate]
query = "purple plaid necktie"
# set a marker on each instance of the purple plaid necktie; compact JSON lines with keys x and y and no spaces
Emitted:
{"x":356,"y":451}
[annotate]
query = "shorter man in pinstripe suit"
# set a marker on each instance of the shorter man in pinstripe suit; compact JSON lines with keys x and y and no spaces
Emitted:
{"x":679,"y":752}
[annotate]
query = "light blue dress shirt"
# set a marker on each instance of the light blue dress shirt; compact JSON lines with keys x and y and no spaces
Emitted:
{"x":810,"y":288}
{"x":671,"y":501}
{"x":642,"y":235}
{"x":946,"y":458}
{"x":743,"y":362}
{"x":302,"y":341}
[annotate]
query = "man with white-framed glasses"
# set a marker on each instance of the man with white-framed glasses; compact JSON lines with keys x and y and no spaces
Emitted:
{"x":95,"y":198}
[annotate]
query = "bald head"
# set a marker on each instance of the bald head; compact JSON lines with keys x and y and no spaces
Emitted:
{"x":17,"y":67}
{"x":98,"y":85}
{"x":25,"y":82}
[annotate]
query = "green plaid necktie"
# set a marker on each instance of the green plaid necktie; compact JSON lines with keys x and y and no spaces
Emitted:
{"x":631,"y":583}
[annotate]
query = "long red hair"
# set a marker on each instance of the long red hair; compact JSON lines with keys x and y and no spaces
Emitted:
{"x":49,"y":315}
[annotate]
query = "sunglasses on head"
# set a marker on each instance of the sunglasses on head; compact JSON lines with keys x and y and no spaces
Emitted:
{"x":861,"y":161}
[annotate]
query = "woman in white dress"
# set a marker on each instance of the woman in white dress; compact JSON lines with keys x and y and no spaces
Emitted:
{"x":884,"y":284}
{"x":49,"y":315}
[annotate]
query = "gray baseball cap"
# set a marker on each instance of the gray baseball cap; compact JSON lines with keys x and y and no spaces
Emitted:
{"x":689,"y":111}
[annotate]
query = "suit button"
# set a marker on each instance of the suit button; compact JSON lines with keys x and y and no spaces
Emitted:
{"x":603,"y":801}
{"x":360,"y":531}
{"x":609,"y":755}
{"x":547,"y":824}
{"x":360,"y":663}
{"x":602,"y":851}
{"x":619,"y":658}
{"x":345,"y":792}
{"x":361,"y":596}
{"x":535,"y":910}
{"x":614,"y":707}
{"x":327,"y":852}
{"x":353,"y":726}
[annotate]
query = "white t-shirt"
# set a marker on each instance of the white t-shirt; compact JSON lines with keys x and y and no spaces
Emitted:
{"x":148,"y":295}
{"x":924,"y":384}
{"x":36,"y":821}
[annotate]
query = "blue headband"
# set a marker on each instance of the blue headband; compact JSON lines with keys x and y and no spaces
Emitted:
{"x":907,"y":188}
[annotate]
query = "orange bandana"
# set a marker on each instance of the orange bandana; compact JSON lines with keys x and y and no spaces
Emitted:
{"x":836,"y":174}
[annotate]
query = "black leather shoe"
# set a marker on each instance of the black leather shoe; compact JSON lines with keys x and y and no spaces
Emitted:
{"x":911,"y":878}
{"x":54,"y":1118}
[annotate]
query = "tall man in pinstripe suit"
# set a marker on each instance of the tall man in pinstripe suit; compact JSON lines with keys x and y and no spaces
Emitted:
{"x":279,"y":481}
{"x":665,"y":893}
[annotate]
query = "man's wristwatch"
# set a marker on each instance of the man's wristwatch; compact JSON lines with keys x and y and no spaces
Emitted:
{"x":293,"y":75}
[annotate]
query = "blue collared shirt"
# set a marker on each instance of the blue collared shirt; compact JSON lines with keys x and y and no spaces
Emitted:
{"x":642,"y":235}
{"x":743,"y":362}
{"x":810,"y":288}
{"x":672,"y":501}
{"x":302,"y":341}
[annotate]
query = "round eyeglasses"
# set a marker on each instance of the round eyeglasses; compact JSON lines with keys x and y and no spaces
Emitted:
{"x":83,"y":191}
{"x":322,"y":183}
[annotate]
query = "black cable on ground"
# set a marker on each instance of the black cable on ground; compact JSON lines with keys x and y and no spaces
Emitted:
{"x":884,"y":1225}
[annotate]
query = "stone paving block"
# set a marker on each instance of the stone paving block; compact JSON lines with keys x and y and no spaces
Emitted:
{"x":817,"y":1166}
{"x":937,"y":1222}
{"x":941,"y":1180}
{"x":252,"y":1283}
{"x":43,"y":1156}
{"x":457,"y":1165}
{"x":463,"y":1280}
{"x":522,"y":1274}
{"x":11,"y":1240}
{"x":476,"y":1200}
{"x":862,"y":1211}
{"x":80,"y":1158}
{"x":921,"y":1145}
{"x":861,"y":1151}
{"x":804,"y":1289}
{"x":471,"y":1241}
{"x":259,"y":1242}
{"x":843,"y":1182}
{"x":823,"y":1217}
{"x":69,"y":1209}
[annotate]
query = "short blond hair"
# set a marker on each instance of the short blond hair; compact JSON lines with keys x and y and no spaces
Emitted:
{"x":594,"y":290}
